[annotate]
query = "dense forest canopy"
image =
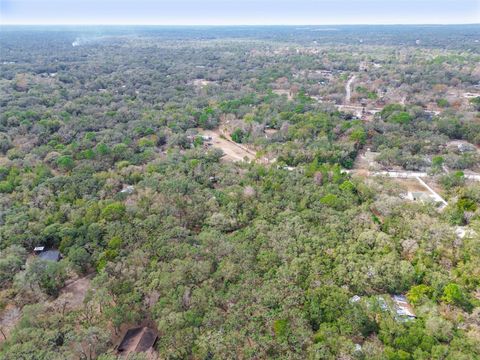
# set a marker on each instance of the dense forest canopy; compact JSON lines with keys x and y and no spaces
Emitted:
{"x":225,"y":186}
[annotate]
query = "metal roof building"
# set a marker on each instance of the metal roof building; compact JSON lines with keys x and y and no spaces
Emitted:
{"x":50,"y":255}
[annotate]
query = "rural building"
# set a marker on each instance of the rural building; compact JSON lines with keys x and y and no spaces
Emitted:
{"x":398,"y":306}
{"x":50,"y":255}
{"x":139,"y":339}
{"x":403,"y":309}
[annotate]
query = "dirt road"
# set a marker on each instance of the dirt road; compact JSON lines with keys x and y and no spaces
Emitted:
{"x":348,"y":89}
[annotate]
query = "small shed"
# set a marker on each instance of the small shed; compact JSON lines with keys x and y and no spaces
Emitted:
{"x":139,"y":339}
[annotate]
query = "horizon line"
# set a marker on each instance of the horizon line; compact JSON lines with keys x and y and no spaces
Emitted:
{"x":235,"y":24}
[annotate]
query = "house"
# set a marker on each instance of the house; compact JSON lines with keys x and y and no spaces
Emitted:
{"x":403,"y":309}
{"x":50,"y":255}
{"x":398,"y":306}
{"x":139,"y":339}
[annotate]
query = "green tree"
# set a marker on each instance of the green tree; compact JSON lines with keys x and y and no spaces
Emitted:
{"x":11,"y":261}
{"x":114,"y":211}
{"x":402,"y":118}
{"x":80,"y":259}
{"x":476,"y":102}
{"x":419,"y":293}
{"x":359,"y":135}
{"x":65,"y":162}
{"x":454,"y":295}
{"x":238,"y":135}
{"x":49,"y":276}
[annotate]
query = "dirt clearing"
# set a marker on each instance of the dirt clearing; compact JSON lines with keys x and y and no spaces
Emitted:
{"x":232,"y":150}
{"x":282,"y":92}
{"x":72,"y":295}
{"x":411,"y":185}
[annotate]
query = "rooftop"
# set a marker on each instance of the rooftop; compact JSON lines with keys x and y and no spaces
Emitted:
{"x":50,"y":255}
{"x":139,"y":339}
{"x":403,"y":308}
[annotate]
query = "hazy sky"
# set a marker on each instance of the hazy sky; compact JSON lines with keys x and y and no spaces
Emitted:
{"x":230,"y":12}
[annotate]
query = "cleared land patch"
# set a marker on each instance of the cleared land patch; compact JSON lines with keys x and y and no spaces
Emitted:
{"x":232,"y":150}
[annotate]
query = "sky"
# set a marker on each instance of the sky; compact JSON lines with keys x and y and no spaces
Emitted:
{"x":239,"y":12}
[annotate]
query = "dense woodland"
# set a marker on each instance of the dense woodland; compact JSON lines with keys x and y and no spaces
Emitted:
{"x":102,"y":157}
